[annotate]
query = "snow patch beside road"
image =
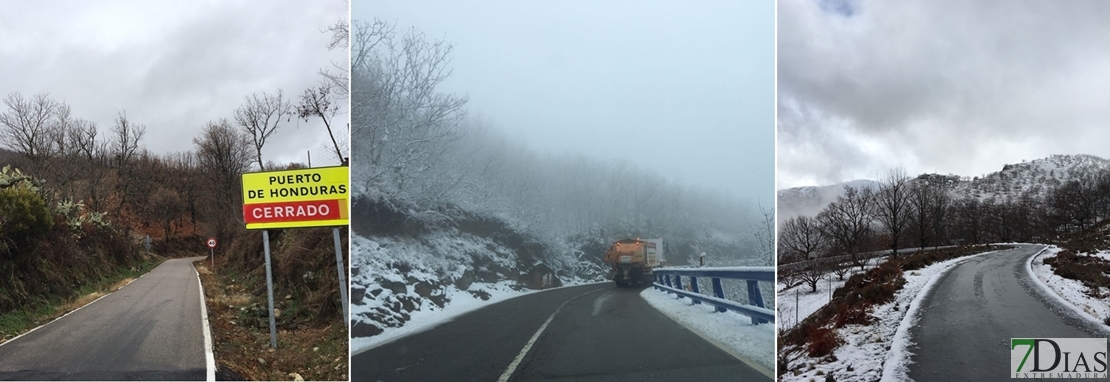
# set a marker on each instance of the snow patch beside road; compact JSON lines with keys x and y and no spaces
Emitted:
{"x":431,"y":316}
{"x":865,"y":349}
{"x":733,"y":330}
{"x":1071,"y":293}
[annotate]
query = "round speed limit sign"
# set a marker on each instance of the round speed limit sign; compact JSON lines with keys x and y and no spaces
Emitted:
{"x":211,"y":242}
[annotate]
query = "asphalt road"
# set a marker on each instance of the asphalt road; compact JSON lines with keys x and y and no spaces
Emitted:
{"x":968,"y":319}
{"x":600,"y":333}
{"x":147,"y":330}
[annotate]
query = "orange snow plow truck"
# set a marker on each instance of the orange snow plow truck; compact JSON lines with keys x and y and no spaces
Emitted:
{"x":632,"y":260}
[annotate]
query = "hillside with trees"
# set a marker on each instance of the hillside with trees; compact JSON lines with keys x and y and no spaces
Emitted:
{"x":81,"y":205}
{"x":1034,"y":201}
{"x":446,"y":204}
{"x":1062,"y":200}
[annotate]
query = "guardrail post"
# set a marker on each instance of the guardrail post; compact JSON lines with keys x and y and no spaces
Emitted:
{"x":669,"y":281}
{"x":718,"y":292}
{"x":678,"y":281}
{"x":755,"y":297}
{"x":694,"y":287}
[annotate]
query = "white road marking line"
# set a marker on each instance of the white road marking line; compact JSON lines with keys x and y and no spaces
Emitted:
{"x":600,"y":302}
{"x":519,"y":357}
{"x":209,"y":358}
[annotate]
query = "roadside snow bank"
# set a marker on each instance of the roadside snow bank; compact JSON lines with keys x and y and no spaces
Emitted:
{"x":431,"y":315}
{"x":1071,"y":293}
{"x":756,"y":343}
{"x":864,"y":352}
{"x":405,"y":285}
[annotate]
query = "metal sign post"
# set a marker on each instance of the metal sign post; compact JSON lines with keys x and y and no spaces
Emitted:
{"x":342,"y":267}
{"x":299,"y":198}
{"x":212,"y":250}
{"x":269,"y":288}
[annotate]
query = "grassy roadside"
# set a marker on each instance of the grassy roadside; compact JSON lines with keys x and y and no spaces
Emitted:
{"x":241,"y":333}
{"x":17,"y":322}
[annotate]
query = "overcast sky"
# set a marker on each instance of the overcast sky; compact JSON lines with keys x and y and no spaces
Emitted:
{"x":172,"y":65}
{"x":690,"y":82}
{"x":959,"y":87}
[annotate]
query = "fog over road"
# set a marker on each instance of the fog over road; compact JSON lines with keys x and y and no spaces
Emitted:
{"x":593,"y":332}
{"x":150,"y":329}
{"x":967,"y":321}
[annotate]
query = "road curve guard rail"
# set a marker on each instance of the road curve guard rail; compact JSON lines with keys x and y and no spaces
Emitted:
{"x":671,"y":280}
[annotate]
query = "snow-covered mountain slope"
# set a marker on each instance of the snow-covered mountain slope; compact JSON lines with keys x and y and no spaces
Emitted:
{"x":1036,"y":177}
{"x":810,"y":200}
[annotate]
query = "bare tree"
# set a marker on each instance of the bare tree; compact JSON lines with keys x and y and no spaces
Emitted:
{"x":183,"y":167}
{"x":1076,"y":202}
{"x":801,"y":236}
{"x":125,"y":148}
{"x":968,"y":217}
{"x":403,"y":125}
{"x":813,"y":273}
{"x":367,"y":38}
{"x":892,"y":205}
{"x":223,"y":155}
{"x":928,"y":201}
{"x":61,"y":166}
{"x":259,"y":117}
{"x":125,"y":140}
{"x":166,"y":205}
{"x":317,"y":102}
{"x":27,"y":126}
{"x":847,"y":222}
{"x":91,"y":160}
{"x":339,"y":80}
{"x":764,"y":232}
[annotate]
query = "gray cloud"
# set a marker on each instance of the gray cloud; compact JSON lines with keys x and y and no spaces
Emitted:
{"x":688,"y":85}
{"x":172,"y":65}
{"x":946,"y":86}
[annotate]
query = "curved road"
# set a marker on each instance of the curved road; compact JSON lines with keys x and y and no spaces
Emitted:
{"x":969,"y":317}
{"x":594,"y":332}
{"x":149,"y":329}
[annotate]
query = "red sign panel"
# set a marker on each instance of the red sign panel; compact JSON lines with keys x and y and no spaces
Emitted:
{"x":291,"y":211}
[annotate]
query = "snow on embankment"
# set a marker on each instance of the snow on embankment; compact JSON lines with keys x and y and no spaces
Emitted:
{"x":864,"y":352}
{"x":1072,"y":292}
{"x":755,"y":343}
{"x":401,"y":285}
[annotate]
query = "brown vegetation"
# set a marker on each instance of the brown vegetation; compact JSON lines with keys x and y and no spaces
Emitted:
{"x":95,"y":200}
{"x":312,"y":335}
{"x":1075,"y":261}
{"x":852,"y":304}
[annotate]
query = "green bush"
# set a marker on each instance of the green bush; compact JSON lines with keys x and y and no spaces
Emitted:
{"x":24,"y":217}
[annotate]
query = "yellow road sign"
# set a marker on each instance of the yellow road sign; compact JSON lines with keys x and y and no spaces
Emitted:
{"x":310,"y":197}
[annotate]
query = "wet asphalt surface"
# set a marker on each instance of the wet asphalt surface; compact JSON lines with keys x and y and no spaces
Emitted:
{"x":968,"y":319}
{"x":602,"y":333}
{"x":147,"y":330}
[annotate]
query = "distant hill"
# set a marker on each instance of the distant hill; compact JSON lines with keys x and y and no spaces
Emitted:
{"x":810,"y":200}
{"x":1036,"y":176}
{"x":8,"y":157}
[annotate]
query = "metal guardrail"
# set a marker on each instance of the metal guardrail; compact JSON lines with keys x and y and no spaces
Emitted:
{"x":671,"y":280}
